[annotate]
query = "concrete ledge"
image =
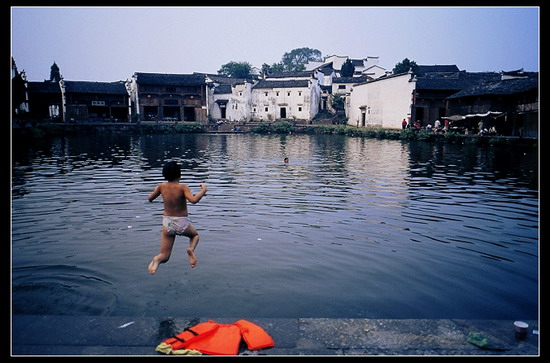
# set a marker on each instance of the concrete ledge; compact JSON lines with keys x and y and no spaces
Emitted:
{"x":117,"y":335}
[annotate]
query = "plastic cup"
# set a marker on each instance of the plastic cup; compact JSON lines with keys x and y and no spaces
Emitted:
{"x":521,"y":328}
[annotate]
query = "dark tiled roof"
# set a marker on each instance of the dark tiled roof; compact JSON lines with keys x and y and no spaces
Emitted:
{"x":455,"y":81}
{"x":381,"y":78}
{"x":165,"y":79}
{"x":95,"y":87}
{"x":224,"y":79}
{"x":438,"y":68}
{"x":297,"y":74}
{"x":326,"y":68}
{"x":350,"y":79}
{"x":44,"y":87}
{"x":507,"y":87}
{"x":282,"y":84}
{"x":222,"y":89}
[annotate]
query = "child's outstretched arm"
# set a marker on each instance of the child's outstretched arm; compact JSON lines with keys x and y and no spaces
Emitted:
{"x":154,"y":194}
{"x":194,"y":198}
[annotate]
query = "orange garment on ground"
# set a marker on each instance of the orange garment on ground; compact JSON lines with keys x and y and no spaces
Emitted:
{"x":221,"y":339}
{"x":254,"y":336}
{"x":184,"y":338}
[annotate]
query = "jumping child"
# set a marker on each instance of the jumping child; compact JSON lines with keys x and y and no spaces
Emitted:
{"x":175,"y":221}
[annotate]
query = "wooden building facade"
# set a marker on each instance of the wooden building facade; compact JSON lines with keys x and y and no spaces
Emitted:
{"x":45,"y":101}
{"x":85,"y":101}
{"x":437,"y":82}
{"x":514,"y":96}
{"x":168,"y":97}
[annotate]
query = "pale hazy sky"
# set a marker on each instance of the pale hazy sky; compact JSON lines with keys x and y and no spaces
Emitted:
{"x":111,"y":43}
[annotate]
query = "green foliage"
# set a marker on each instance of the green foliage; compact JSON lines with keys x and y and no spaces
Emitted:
{"x":407,"y":134}
{"x":236,"y":69}
{"x":178,"y":128}
{"x":292,"y":61}
{"x":453,"y":137}
{"x":347,"y":69}
{"x":296,"y":59}
{"x":266,"y":69}
{"x":425,"y":135}
{"x":337,"y":102}
{"x":405,"y":65}
{"x":283,"y":127}
{"x":262,"y":128}
{"x":187,"y":127}
{"x":274,"y":68}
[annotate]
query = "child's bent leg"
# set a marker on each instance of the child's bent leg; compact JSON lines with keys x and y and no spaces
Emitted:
{"x":193,"y":235}
{"x":166,"y":244}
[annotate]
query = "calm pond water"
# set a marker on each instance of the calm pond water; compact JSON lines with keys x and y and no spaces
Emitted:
{"x":350,"y":227}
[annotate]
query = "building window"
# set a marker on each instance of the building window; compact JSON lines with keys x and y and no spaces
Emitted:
{"x":265,"y":94}
{"x":266,"y":109}
{"x":240,"y":93}
{"x":299,"y":109}
{"x":170,"y":89}
{"x":288,"y":94}
{"x":342,"y":86}
{"x":299,"y":93}
{"x":53,"y":111}
{"x":277,"y":93}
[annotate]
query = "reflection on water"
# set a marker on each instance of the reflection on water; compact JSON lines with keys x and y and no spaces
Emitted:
{"x":350,"y":227}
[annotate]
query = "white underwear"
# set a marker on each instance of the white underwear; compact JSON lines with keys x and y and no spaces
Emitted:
{"x":175,"y":225}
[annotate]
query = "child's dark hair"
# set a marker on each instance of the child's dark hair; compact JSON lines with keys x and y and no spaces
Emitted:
{"x":171,"y":171}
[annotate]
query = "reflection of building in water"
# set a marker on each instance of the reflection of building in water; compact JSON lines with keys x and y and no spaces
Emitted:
{"x":380,"y":167}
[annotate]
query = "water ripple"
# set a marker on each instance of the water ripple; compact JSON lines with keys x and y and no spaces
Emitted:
{"x":349,"y":227}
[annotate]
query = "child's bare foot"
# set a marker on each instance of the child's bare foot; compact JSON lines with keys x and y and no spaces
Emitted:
{"x":153,"y":266}
{"x":192,"y":258}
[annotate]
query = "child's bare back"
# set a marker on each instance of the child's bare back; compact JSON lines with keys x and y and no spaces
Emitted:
{"x":175,"y":216}
{"x":174,"y":197}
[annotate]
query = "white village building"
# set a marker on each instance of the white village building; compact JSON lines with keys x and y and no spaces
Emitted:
{"x":229,"y":98}
{"x":383,"y":102}
{"x":363,"y":66}
{"x":288,"y":95}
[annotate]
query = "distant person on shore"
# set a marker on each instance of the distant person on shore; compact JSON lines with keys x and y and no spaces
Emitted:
{"x":404,"y":124}
{"x":175,"y":220}
{"x":437,"y":126}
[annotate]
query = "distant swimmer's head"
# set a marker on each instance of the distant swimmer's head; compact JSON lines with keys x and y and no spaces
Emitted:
{"x":171,"y":171}
{"x":285,"y":160}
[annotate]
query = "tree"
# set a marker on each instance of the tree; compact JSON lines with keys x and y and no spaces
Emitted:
{"x":277,"y":67}
{"x":274,"y":68}
{"x":347,"y":69}
{"x":338,"y":102}
{"x":236,"y":69}
{"x":266,"y":69}
{"x":55,"y":76}
{"x":405,"y":65}
{"x":296,"y":59}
